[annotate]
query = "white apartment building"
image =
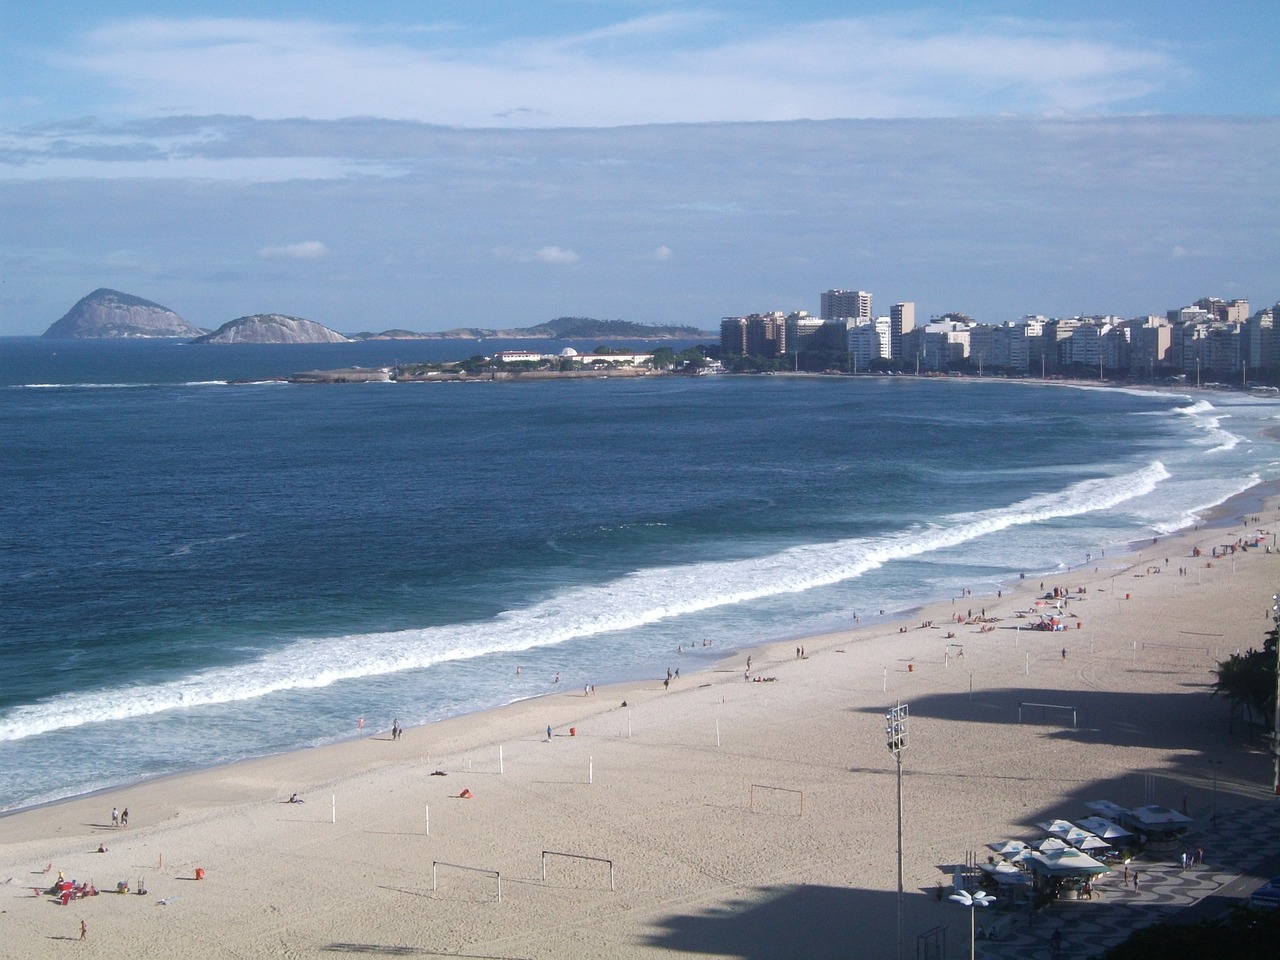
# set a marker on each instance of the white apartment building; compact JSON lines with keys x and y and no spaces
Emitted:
{"x":868,"y":341}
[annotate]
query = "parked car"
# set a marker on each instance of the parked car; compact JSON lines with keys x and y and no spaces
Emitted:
{"x":1267,"y":896}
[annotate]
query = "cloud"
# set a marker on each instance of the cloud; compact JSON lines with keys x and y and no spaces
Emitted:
{"x":661,"y":253}
{"x":666,"y":68}
{"x":306,"y":250}
{"x":995,"y":217}
{"x":547,"y":254}
{"x":555,"y":255}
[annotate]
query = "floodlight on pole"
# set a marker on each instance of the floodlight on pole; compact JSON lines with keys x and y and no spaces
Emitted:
{"x":972,"y":900}
{"x":896,"y":735}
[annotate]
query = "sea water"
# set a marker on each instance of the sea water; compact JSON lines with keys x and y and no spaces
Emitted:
{"x":200,"y":564}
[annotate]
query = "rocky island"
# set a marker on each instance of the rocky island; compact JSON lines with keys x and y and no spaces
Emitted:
{"x":272,"y":328}
{"x":112,"y":315}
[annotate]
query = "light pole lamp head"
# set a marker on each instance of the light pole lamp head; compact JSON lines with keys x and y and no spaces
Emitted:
{"x":967,"y":899}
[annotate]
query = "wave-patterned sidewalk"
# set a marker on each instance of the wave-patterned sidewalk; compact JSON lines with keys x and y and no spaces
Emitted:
{"x":1240,"y":842}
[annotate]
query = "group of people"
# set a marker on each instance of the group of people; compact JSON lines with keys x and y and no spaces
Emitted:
{"x":118,"y":818}
{"x":68,"y":890}
{"x":396,"y":729}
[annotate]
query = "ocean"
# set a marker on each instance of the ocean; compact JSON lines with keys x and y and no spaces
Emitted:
{"x":200,"y":565}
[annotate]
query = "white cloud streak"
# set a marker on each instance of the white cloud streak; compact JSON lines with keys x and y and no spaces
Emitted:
{"x":306,"y":250}
{"x":648,"y":70}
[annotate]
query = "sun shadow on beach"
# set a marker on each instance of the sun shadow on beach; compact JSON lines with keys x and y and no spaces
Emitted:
{"x":1170,"y":721}
{"x":814,"y":922}
{"x":1212,"y":759}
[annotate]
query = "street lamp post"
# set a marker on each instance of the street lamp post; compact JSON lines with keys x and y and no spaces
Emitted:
{"x":1275,"y":723}
{"x":896,"y":731}
{"x":972,"y":901}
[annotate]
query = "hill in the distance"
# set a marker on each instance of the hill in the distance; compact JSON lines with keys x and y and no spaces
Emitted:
{"x":109,"y":314}
{"x":561,"y":328}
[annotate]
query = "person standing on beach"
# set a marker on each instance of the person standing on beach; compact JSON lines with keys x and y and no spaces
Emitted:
{"x":84,"y":930}
{"x":548,"y":733}
{"x":115,"y":817}
{"x":124,"y":817}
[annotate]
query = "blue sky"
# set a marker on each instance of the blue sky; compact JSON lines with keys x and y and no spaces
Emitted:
{"x":430,"y":165}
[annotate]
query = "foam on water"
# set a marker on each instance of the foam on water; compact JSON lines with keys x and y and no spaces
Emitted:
{"x":644,"y":597}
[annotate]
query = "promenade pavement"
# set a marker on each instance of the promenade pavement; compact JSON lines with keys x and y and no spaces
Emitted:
{"x":1239,"y":854}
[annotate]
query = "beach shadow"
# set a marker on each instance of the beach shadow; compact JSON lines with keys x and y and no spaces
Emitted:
{"x":814,"y":922}
{"x":1194,"y":728}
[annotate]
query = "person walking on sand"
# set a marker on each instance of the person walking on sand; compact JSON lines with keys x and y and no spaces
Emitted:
{"x":548,"y":733}
{"x":124,"y":817}
{"x":115,"y":817}
{"x":84,"y":930}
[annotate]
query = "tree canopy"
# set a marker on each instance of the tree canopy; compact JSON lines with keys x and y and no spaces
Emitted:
{"x":1248,"y":681}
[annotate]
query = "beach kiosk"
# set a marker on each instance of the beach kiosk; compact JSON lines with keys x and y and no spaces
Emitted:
{"x":1163,"y":828}
{"x":1063,"y":874}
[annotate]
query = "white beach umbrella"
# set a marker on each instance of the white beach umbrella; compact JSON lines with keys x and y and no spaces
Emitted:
{"x":1007,"y":848}
{"x":1059,"y":828}
{"x":1075,"y":835}
{"x":1105,"y":828}
{"x":1092,"y":843}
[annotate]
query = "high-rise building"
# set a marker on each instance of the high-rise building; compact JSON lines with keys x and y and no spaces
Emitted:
{"x":733,"y":336}
{"x":846,"y":304}
{"x":902,"y":320}
{"x":757,"y":335}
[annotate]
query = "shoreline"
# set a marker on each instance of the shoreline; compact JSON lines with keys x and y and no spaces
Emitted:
{"x":674,"y":803}
{"x":1251,"y":501}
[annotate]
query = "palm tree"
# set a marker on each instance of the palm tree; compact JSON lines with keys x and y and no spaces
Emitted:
{"x":1248,"y":681}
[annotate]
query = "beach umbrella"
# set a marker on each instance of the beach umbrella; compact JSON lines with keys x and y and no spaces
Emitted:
{"x":1052,"y":845}
{"x":1105,"y":828}
{"x":1007,"y":847}
{"x":1075,"y":835}
{"x":1092,"y":843}
{"x":1112,"y":811}
{"x":1059,"y":828}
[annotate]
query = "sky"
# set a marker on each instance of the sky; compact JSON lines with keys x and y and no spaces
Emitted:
{"x":430,"y":165}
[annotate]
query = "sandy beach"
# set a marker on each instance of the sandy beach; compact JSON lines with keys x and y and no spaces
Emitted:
{"x":736,"y":818}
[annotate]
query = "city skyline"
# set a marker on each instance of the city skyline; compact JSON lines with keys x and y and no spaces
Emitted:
{"x":655,"y":162}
